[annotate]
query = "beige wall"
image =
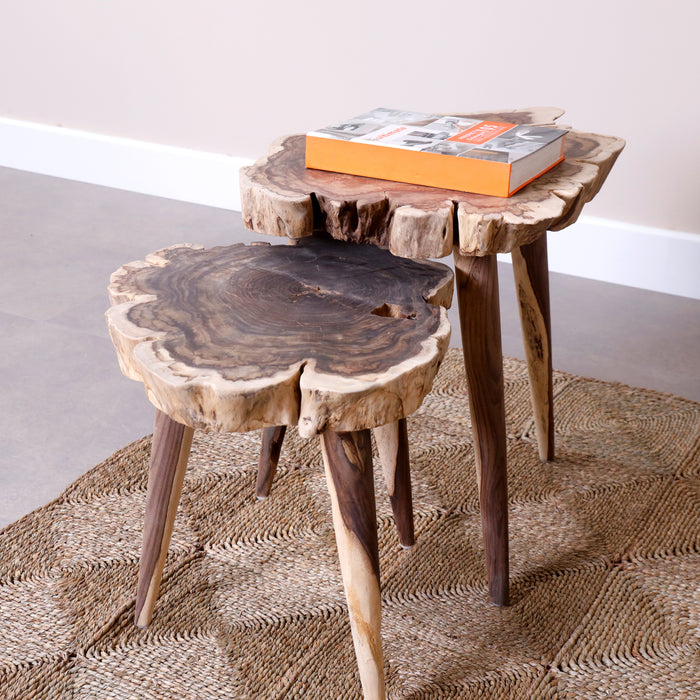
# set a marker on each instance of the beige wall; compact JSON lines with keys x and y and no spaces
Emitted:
{"x":227,"y":76}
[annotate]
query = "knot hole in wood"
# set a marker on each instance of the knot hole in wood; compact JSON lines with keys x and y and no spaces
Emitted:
{"x":392,"y":311}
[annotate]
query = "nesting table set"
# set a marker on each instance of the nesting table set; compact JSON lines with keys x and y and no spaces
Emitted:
{"x":339,"y":338}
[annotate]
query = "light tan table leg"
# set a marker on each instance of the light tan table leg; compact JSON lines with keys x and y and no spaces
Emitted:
{"x":348,"y":461}
{"x":532,"y":284}
{"x":477,"y":295}
{"x":169,"y":453}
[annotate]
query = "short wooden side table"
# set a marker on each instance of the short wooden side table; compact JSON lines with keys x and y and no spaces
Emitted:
{"x":280,"y":196}
{"x":333,"y":338}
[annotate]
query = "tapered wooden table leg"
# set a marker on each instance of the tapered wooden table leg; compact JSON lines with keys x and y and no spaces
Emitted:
{"x":532,"y":283}
{"x":169,"y":453}
{"x":477,"y":295}
{"x":392,"y":445}
{"x":272,"y":439}
{"x":348,"y":462}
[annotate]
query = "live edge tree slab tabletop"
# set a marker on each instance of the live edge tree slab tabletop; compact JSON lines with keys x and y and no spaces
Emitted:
{"x":280,"y":196}
{"x":321,"y":334}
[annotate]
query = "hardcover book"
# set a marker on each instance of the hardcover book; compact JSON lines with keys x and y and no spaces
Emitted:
{"x":455,"y":153}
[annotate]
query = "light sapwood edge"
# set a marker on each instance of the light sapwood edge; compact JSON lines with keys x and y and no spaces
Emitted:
{"x":119,"y":294}
{"x":159,"y":258}
{"x":607,"y":149}
{"x":146,"y":613}
{"x":487,"y":234}
{"x":126,"y":335}
{"x":537,"y":351}
{"x":275,"y":214}
{"x":209,"y":401}
{"x":363,"y":595}
{"x":603,"y":169}
{"x":342,"y":404}
{"x":544,"y":115}
{"x":526,"y":217}
{"x":441,"y":295}
{"x":537,"y":116}
{"x":392,"y":446}
{"x":590,"y":182}
{"x":362,"y":217}
{"x":278,"y":213}
{"x":114,"y":291}
{"x":276,"y":145}
{"x":387,"y":439}
{"x":418,"y":234}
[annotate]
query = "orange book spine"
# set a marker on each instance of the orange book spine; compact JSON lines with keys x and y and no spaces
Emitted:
{"x":402,"y":165}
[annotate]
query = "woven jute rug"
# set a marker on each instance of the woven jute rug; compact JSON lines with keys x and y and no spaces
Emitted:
{"x":605,"y":567}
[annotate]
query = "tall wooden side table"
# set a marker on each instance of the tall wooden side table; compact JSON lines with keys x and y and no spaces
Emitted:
{"x":280,"y":196}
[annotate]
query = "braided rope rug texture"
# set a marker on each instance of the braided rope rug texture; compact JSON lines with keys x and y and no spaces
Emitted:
{"x":604,"y":551}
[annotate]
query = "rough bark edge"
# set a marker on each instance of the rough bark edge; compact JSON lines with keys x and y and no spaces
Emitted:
{"x":289,"y":213}
{"x":394,"y":219}
{"x":501,"y":231}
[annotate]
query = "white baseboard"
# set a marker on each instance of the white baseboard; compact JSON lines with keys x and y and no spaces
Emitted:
{"x":610,"y":251}
{"x":137,"y":166}
{"x":636,"y":256}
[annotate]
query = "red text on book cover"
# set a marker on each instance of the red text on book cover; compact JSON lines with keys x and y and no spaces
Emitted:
{"x":481,"y":132}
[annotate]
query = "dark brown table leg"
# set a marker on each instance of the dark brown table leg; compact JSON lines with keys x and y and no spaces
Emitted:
{"x":392,"y":445}
{"x":532,"y":284}
{"x":477,"y":295}
{"x":272,"y":439}
{"x":169,"y":453}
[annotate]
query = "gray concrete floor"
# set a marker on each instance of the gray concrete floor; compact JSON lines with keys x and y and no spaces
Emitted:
{"x":64,"y":405}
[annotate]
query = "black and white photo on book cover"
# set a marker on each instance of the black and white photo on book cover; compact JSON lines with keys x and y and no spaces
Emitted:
{"x":434,"y":133}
